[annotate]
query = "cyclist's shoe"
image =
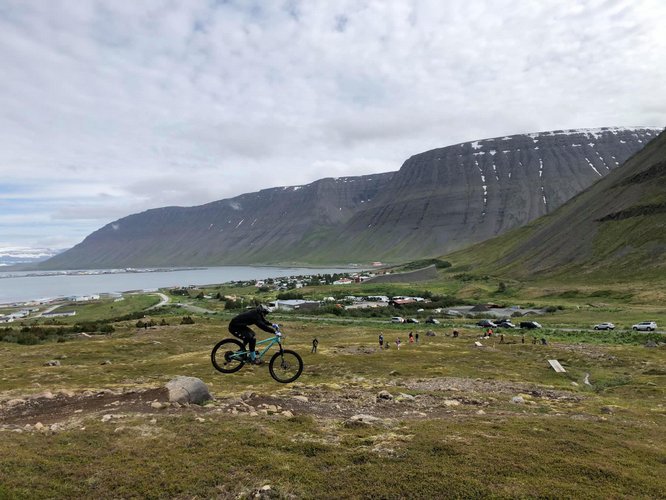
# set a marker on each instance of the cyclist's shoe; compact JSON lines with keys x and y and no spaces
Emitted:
{"x":256,"y":361}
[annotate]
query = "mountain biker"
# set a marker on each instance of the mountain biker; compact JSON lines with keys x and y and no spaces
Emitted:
{"x":239,"y":327}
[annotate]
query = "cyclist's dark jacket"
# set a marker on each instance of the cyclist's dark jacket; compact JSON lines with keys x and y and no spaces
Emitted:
{"x":251,"y":317}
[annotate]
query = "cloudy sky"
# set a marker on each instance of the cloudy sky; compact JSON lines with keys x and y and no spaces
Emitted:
{"x":112,"y":107}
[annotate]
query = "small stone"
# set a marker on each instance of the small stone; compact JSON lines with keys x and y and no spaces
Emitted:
{"x":364,"y":419}
{"x":519,"y":400}
{"x":287,"y":413}
{"x":480,"y":412}
{"x":451,"y":402}
{"x":156,"y":404}
{"x":386,"y":395}
{"x":302,"y":399}
{"x":607,"y":410}
{"x":39,"y":426}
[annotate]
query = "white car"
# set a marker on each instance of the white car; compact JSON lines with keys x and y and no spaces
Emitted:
{"x":397,"y":319}
{"x":645,"y":326}
{"x":604,"y":326}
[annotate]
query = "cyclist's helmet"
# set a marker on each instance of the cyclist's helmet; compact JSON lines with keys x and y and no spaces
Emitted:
{"x":263,"y":310}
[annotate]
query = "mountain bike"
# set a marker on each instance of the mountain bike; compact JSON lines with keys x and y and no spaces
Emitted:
{"x":229,"y":356}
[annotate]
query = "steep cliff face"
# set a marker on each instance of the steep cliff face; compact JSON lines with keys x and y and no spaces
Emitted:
{"x":444,"y":199}
{"x":272,"y":225}
{"x":438,"y":201}
{"x":614,"y":228}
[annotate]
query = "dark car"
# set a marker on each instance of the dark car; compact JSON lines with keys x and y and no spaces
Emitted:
{"x":411,"y":320}
{"x":486,"y":323}
{"x":505,"y":323}
{"x":529,"y":325}
{"x":433,"y":321}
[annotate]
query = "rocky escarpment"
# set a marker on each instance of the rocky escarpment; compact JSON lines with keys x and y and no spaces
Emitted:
{"x":272,"y":225}
{"x":447,"y":198}
{"x":438,"y":201}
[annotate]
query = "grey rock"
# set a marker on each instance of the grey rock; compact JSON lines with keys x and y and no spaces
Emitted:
{"x":185,"y":390}
{"x":363,"y":419}
{"x":385,"y":395}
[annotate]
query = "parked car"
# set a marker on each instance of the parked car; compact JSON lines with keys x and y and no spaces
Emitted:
{"x":397,"y":319}
{"x":486,"y":323}
{"x":506,"y":323}
{"x":604,"y":326}
{"x":529,"y":325}
{"x":645,"y":326}
{"x":411,"y":320}
{"x":433,"y":321}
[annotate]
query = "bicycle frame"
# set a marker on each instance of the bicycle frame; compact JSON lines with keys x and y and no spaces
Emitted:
{"x":271,"y":341}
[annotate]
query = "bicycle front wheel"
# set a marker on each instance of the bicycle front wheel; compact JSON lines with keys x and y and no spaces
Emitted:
{"x":285,"y":366}
{"x":225,"y":357}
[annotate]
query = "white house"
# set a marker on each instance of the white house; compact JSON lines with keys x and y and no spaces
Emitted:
{"x":293,"y":304}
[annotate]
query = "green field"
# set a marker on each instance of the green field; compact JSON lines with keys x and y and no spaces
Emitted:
{"x":461,"y":421}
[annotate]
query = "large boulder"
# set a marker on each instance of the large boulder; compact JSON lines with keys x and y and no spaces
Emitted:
{"x":186,"y":390}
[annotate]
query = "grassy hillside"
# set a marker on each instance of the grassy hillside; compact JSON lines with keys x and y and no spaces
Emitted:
{"x":455,"y":420}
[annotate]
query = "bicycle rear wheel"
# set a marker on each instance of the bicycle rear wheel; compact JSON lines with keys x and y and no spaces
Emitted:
{"x":285,"y":366}
{"x":225,"y":358}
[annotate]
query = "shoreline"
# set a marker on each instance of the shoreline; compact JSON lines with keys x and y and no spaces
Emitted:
{"x":30,"y":287}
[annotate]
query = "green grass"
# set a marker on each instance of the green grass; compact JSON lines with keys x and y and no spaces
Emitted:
{"x":568,"y":439}
{"x":550,"y":446}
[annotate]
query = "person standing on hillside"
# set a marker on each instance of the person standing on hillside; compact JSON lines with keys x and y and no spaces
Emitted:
{"x":239,"y":326}
{"x":381,"y":340}
{"x":315,"y":343}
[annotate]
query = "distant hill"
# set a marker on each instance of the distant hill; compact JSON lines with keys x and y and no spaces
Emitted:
{"x":438,"y":201}
{"x":615,"y":229}
{"x":15,"y":256}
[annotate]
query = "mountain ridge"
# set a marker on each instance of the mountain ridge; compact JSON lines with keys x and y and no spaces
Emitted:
{"x":616,"y":227}
{"x":438,"y":201}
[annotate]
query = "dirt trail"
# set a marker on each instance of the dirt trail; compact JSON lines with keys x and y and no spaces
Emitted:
{"x":435,"y":398}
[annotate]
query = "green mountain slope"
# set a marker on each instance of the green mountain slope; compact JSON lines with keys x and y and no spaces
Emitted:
{"x":616,"y":229}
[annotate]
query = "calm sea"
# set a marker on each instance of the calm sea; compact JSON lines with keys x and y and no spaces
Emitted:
{"x":25,"y":286}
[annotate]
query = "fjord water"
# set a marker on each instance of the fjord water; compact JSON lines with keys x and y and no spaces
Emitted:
{"x":25,"y":286}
